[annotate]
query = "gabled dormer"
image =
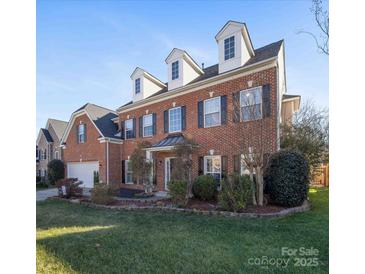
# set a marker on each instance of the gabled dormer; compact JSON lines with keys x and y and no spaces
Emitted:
{"x":144,"y":84}
{"x":234,"y":46}
{"x":181,"y":68}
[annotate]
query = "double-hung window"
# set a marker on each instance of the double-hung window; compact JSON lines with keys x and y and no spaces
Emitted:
{"x":213,"y":167}
{"x":128,"y":129}
{"x":212,"y":112}
{"x":251,"y":104}
{"x":175,"y":119}
{"x":229,"y":48}
{"x":128,"y":173}
{"x":81,"y":133}
{"x":147,"y":125}
{"x":175,"y":70}
{"x":137,"y":85}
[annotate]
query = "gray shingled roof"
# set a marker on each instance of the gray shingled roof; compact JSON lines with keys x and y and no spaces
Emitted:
{"x":261,"y":54}
{"x":102,"y":118}
{"x":290,"y":96}
{"x":46,"y":134}
{"x":170,"y":140}
{"x":58,"y":126}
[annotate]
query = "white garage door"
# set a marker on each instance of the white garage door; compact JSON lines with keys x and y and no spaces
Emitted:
{"x":83,"y":171}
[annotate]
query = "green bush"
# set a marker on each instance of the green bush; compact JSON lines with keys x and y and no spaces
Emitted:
{"x":101,"y":194}
{"x":205,"y":188}
{"x":178,"y":190}
{"x":96,"y":177}
{"x":236,"y":191}
{"x":286,"y":178}
{"x":56,"y":171}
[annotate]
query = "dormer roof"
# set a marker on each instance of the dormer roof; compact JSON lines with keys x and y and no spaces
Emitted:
{"x":244,"y":32}
{"x":148,"y":75}
{"x":186,"y":57}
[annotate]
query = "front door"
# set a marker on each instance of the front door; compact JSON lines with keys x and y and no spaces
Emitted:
{"x":169,"y":166}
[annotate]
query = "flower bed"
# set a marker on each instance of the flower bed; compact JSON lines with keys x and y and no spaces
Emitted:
{"x":194,"y":206}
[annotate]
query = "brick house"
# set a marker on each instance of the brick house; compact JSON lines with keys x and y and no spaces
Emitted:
{"x":212,"y":106}
{"x":48,"y":146}
{"x":91,"y":143}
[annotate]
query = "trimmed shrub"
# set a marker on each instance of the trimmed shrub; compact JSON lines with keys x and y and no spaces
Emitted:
{"x":101,"y":194}
{"x":96,"y":177}
{"x":56,"y":171}
{"x":178,"y":191}
{"x":236,"y":191}
{"x":205,"y":188}
{"x":286,"y":178}
{"x":69,"y":187}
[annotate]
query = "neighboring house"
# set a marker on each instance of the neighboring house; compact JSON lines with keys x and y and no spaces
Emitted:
{"x":91,"y":143}
{"x":203,"y":104}
{"x":290,"y":105}
{"x":48,"y":145}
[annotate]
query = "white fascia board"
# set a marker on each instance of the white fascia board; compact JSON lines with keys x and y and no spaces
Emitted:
{"x":110,"y":140}
{"x":268,"y":63}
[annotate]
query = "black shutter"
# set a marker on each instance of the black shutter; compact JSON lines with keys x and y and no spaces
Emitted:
{"x":134,"y":128}
{"x":140,"y":123}
{"x":45,"y":154}
{"x":123,"y":171}
{"x":77,"y":134}
{"x":183,"y":117}
{"x":266,"y":102}
{"x":200,"y":114}
{"x":236,"y":163}
{"x":122,"y":130}
{"x":154,"y":124}
{"x":166,"y":121}
{"x":223,"y":110}
{"x":224,"y":160}
{"x":236,"y":107}
{"x":85,"y":133}
{"x":201,"y":166}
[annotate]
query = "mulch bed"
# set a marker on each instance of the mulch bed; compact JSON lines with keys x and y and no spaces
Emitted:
{"x":193,"y":204}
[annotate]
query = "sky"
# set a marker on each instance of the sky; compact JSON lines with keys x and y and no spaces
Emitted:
{"x":87,"y":50}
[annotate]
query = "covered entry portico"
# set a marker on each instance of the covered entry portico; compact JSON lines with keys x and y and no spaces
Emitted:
{"x":163,"y":156}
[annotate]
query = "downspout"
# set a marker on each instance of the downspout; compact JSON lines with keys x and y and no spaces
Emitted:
{"x":107,"y":162}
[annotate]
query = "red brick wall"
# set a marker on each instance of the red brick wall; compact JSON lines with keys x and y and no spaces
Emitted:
{"x":225,"y":139}
{"x":91,"y":150}
{"x":115,"y":165}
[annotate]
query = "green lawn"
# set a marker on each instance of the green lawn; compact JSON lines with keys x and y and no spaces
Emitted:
{"x":77,"y":239}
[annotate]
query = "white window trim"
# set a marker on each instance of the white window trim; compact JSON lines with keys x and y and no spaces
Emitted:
{"x":135,"y":86}
{"x":245,"y":91}
{"x":220,"y":111}
{"x":56,"y":153}
{"x":83,"y":133}
{"x":205,"y":165}
{"x":171,"y":109}
{"x":178,"y":70}
{"x":234,"y":48}
{"x":125,"y":128}
{"x":143,"y":126}
{"x":126,"y":173}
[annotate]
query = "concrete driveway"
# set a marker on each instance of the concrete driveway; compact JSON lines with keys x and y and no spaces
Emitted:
{"x":44,"y":194}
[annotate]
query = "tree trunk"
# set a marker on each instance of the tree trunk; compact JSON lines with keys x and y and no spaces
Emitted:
{"x":254,"y":202}
{"x":260,"y":187}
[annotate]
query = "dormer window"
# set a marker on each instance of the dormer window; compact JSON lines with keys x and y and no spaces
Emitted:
{"x":175,"y":70}
{"x":229,"y":48}
{"x":138,"y":85}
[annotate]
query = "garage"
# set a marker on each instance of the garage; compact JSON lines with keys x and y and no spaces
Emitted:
{"x":84,"y":171}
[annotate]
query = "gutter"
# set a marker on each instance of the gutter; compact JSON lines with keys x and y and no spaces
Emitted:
{"x":195,"y":85}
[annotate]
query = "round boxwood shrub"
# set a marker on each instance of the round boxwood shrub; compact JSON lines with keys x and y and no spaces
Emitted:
{"x":286,"y":178}
{"x":56,"y":171}
{"x":205,"y":188}
{"x":178,"y":189}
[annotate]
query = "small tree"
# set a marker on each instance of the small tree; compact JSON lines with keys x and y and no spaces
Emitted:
{"x":56,"y":171}
{"x":141,"y":167}
{"x":184,"y":162}
{"x":308,"y":133}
